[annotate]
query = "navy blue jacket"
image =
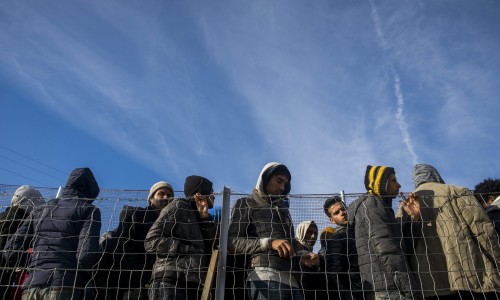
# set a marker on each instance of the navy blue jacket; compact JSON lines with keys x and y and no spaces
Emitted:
{"x":64,"y":236}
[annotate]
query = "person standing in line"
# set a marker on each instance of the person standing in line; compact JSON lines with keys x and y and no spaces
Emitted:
{"x":182,"y":238}
{"x":23,"y":201}
{"x":312,"y":281}
{"x":487,"y":193}
{"x":64,"y":236}
{"x":456,"y":250}
{"x":381,"y":253}
{"x":341,"y":257}
{"x":307,"y":235}
{"x":261,"y":227}
{"x":125,"y":268}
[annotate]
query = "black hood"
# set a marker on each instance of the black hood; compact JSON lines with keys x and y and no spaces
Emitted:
{"x":81,"y":184}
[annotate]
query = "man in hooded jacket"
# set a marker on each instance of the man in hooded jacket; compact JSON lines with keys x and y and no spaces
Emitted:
{"x":312,"y":280}
{"x":381,"y":253}
{"x":182,"y":238}
{"x":124,"y":268}
{"x":64,"y":236}
{"x":23,"y":201}
{"x":457,"y":254}
{"x":261,"y":227}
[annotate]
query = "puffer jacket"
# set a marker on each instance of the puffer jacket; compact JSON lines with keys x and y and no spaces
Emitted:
{"x":259,"y":219}
{"x":182,"y":242}
{"x":122,"y":250}
{"x":341,"y":260}
{"x":254,"y":223}
{"x":64,"y":235}
{"x":381,"y":252}
{"x":455,"y":229}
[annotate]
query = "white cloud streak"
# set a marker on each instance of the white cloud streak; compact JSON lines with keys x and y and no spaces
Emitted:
{"x":228,"y":87}
{"x":400,"y":116}
{"x":96,"y":96}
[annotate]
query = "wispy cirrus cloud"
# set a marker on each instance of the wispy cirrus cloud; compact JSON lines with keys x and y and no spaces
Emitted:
{"x":104,"y":99}
{"x":224,"y":88}
{"x":400,"y":115}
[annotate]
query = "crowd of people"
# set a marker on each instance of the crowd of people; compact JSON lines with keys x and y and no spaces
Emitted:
{"x":442,"y":243}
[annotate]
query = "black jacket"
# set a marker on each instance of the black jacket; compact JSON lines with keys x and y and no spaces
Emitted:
{"x":64,"y":235}
{"x":182,"y":242}
{"x":123,"y":255}
{"x":10,"y":220}
{"x":494,"y":214}
{"x":381,"y":252}
{"x":256,"y":221}
{"x":341,"y":262}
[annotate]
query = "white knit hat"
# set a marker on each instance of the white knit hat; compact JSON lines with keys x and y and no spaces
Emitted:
{"x":27,"y":197}
{"x":160,"y":185}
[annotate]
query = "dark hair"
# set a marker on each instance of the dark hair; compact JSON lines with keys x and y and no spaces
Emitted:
{"x":276,"y":170}
{"x":329,"y":202}
{"x":488,"y":187}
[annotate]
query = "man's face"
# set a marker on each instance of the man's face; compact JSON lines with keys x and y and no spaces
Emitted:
{"x":338,"y":214}
{"x":161,"y":198}
{"x":393,"y":186}
{"x":276,"y":185}
{"x":311,"y":236}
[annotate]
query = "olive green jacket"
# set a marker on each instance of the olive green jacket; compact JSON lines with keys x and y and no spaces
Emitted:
{"x":456,"y":247}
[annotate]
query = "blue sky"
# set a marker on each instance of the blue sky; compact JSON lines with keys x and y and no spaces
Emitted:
{"x":159,"y":90}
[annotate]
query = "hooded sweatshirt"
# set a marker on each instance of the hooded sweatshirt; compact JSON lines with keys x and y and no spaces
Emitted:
{"x":301,"y":233}
{"x":258,"y":220}
{"x":423,"y":173}
{"x":453,"y":227}
{"x":65,"y":235}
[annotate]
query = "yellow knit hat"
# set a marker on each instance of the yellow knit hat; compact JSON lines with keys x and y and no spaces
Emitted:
{"x":376,"y":178}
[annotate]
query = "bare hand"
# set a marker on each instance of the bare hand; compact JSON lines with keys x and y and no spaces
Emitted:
{"x":201,"y":205}
{"x":284,"y":248}
{"x":411,"y":206}
{"x":309,"y":259}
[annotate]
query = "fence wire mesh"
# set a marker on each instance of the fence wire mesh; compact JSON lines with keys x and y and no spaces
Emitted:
{"x":139,"y":254}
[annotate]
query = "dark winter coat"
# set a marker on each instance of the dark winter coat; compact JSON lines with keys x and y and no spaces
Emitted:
{"x":123,"y":253}
{"x":64,"y":235}
{"x":10,"y":220}
{"x":455,"y":229}
{"x":493,"y":212}
{"x":254,"y":222}
{"x":381,"y":254}
{"x":182,"y":242}
{"x":341,"y":262}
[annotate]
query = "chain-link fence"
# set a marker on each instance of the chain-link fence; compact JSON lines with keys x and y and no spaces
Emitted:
{"x":228,"y":275}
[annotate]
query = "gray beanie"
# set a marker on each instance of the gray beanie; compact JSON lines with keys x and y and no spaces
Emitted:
{"x":27,"y":197}
{"x":160,"y":185}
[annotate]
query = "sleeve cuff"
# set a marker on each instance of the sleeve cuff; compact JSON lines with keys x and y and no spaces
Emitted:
{"x":264,"y":244}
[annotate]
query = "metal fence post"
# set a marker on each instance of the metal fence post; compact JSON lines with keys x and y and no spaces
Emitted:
{"x":342,"y":196}
{"x":59,"y":190}
{"x":224,"y":228}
